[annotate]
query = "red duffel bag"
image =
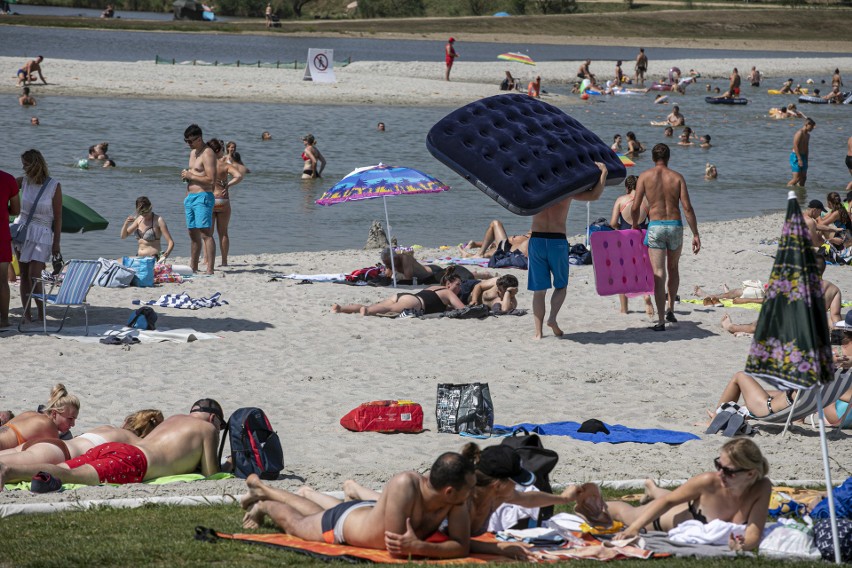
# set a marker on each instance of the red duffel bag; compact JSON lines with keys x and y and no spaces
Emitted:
{"x":385,"y":416}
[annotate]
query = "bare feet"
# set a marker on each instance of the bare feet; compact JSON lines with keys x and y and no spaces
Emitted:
{"x":363,"y":311}
{"x":350,"y":490}
{"x":556,"y":331}
{"x":650,"y":486}
{"x":253,"y":518}
{"x":697,"y":292}
{"x":727,"y":323}
{"x":725,"y":288}
{"x":256,"y":492}
{"x":335,"y":308}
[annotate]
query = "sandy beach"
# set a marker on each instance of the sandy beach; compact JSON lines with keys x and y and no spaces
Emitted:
{"x":283,"y":350}
{"x":365,"y":82}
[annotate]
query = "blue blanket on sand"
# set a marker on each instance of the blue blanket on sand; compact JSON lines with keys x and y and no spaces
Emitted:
{"x":618,"y":434}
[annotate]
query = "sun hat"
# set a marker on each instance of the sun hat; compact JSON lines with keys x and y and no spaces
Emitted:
{"x":451,"y":40}
{"x":817,"y":204}
{"x":503,"y":462}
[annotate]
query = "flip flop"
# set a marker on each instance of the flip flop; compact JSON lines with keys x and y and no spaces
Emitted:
{"x":659,"y":327}
{"x":720,"y":421}
{"x":45,"y":483}
{"x":591,"y":506}
{"x":734,"y":424}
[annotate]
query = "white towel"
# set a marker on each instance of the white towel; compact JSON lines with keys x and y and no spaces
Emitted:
{"x":714,"y":532}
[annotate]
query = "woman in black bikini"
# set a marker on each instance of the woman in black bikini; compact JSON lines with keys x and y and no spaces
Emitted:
{"x":314,"y":161}
{"x":737,"y":492}
{"x":431,"y":300}
{"x":149,"y":228}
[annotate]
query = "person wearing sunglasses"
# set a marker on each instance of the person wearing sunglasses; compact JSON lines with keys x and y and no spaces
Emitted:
{"x":737,"y":492}
{"x":200,"y":179}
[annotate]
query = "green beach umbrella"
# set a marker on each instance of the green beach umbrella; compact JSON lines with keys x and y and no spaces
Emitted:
{"x":792,"y":345}
{"x":77,"y":217}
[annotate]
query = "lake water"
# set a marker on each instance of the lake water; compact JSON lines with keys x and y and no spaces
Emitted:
{"x":110,"y":45}
{"x":274,"y":210}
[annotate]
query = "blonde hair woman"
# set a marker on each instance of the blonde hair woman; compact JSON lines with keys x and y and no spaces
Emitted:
{"x":737,"y":492}
{"x":56,"y":418}
{"x":54,"y":451}
{"x":45,"y":223}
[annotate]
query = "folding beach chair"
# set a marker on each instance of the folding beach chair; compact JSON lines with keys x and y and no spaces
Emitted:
{"x":79,"y":277}
{"x":807,"y":402}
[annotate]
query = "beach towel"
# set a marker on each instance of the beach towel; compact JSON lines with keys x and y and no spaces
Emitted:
{"x":183,"y":301}
{"x":345,"y":552}
{"x":98,"y":332}
{"x":727,"y":304}
{"x":618,"y":434}
{"x":313,"y":277}
{"x":183,"y":478}
{"x":470,"y":261}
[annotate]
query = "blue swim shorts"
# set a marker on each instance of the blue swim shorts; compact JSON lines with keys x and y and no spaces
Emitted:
{"x":794,"y":163}
{"x":199,"y":210}
{"x":664,"y":235}
{"x":840,"y":407}
{"x":548,"y":254}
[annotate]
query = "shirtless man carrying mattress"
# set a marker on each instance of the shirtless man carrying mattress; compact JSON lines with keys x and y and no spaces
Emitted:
{"x":181,"y":444}
{"x":410,"y":509}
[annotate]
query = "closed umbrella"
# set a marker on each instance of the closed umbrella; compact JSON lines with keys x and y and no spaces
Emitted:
{"x":381,"y":181}
{"x":792,"y":344}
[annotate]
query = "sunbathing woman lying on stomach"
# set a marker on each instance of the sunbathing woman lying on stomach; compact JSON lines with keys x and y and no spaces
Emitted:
{"x":55,"y":451}
{"x":57,"y":417}
{"x":432,"y":300}
{"x":737,"y":492}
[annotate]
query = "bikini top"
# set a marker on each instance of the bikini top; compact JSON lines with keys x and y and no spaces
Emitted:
{"x":150,"y":234}
{"x":306,"y":157}
{"x":623,"y":224}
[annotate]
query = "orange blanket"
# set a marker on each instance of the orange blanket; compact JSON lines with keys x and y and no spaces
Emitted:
{"x":339,"y":551}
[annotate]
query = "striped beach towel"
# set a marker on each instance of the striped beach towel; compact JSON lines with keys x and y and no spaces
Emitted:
{"x":183,"y":301}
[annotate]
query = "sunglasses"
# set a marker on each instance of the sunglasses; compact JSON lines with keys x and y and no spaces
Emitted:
{"x":726,"y":471}
{"x":191,"y":140}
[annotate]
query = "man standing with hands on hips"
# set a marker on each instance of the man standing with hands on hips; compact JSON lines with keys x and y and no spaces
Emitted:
{"x":200,"y":178}
{"x":548,"y":255}
{"x":665,"y":190}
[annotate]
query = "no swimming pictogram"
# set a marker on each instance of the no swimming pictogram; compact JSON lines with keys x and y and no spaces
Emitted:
{"x":321,"y":62}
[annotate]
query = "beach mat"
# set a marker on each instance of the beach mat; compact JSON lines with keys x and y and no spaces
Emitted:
{"x":618,"y":434}
{"x":327,"y":552}
{"x":726,"y":303}
{"x":183,"y":478}
{"x":98,"y":332}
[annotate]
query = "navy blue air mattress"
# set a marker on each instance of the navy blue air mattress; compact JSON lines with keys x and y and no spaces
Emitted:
{"x":523,"y":153}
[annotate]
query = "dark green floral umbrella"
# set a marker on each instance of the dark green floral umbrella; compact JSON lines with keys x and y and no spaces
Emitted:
{"x":792,"y":343}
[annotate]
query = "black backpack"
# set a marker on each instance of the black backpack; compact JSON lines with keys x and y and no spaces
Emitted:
{"x":255,"y":447}
{"x":538,"y":460}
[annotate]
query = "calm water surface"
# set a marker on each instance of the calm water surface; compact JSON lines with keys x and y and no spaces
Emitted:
{"x":274,"y":210}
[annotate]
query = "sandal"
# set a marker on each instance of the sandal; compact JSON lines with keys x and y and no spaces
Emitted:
{"x":659,"y":327}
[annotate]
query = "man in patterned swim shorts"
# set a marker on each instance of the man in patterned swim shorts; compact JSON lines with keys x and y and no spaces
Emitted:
{"x":665,"y":190}
{"x":183,"y":443}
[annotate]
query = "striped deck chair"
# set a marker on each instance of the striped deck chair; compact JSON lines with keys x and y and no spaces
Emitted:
{"x":79,"y":277}
{"x":807,"y":402}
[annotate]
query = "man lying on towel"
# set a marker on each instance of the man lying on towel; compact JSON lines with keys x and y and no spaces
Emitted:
{"x":181,"y":444}
{"x":410,"y":509}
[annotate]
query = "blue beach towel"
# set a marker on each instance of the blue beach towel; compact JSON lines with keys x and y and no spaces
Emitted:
{"x":618,"y":433}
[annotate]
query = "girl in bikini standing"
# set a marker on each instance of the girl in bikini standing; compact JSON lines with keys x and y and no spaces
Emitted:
{"x":227,"y":176}
{"x":313,"y":158}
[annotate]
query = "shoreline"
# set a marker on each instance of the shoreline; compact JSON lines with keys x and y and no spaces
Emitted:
{"x":416,"y":83}
{"x":283,"y":350}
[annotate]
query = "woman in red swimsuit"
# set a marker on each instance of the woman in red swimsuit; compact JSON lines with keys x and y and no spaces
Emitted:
{"x":314,"y":160}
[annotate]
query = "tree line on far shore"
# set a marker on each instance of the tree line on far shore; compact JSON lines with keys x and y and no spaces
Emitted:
{"x":323,"y":9}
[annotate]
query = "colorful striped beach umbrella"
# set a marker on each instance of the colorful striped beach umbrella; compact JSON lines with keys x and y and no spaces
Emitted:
{"x":381,"y":181}
{"x":516,"y":57}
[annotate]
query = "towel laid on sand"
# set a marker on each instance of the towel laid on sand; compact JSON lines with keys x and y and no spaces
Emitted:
{"x":98,"y":332}
{"x":186,"y":477}
{"x":313,"y":277}
{"x":471,"y":261}
{"x":618,"y":434}
{"x":184,"y":301}
{"x":727,"y":304}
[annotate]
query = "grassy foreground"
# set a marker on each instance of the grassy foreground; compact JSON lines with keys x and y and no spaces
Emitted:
{"x":164,"y":536}
{"x":645,"y":22}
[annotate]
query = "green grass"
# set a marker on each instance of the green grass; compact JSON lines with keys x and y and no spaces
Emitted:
{"x":645,"y":21}
{"x":164,"y":536}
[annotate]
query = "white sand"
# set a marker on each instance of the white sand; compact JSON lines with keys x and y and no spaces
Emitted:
{"x":284,"y":351}
{"x":367,"y":82}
